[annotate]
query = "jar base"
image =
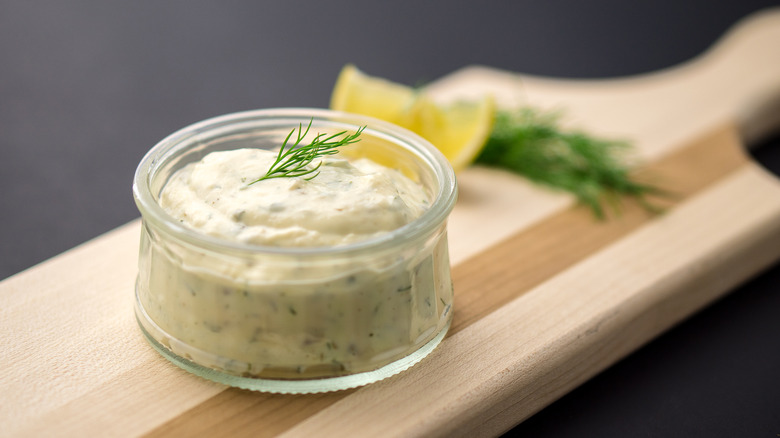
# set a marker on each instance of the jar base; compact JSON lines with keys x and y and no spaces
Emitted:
{"x":283,"y":386}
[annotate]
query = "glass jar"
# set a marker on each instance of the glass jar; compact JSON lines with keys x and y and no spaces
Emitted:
{"x":294,"y":320}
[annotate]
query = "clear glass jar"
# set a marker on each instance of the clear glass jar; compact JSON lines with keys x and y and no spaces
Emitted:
{"x":294,"y":320}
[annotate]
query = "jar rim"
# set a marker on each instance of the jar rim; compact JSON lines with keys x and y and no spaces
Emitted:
{"x":442,"y":204}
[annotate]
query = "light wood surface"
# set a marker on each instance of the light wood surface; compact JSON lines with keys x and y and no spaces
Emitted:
{"x":545,"y":296}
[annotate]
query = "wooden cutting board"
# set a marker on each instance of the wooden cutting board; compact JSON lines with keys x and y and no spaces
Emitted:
{"x":546,"y":296}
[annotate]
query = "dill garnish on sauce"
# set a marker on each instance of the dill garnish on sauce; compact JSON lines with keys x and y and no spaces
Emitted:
{"x":292,"y":161}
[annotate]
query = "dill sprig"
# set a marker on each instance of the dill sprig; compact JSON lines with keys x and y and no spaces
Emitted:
{"x":533,"y":145}
{"x":292,"y":161}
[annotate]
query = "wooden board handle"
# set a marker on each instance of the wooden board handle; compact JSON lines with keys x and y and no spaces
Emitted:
{"x":747,"y":60}
{"x":737,"y":80}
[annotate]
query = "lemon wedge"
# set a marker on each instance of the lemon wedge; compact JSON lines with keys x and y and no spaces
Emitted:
{"x":459,"y":130}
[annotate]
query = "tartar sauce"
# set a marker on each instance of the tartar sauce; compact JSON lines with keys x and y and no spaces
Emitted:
{"x":346,"y":202}
{"x":273,"y":316}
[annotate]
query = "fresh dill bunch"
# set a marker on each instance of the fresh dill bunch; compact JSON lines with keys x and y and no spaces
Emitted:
{"x":534,"y":146}
{"x":292,"y":161}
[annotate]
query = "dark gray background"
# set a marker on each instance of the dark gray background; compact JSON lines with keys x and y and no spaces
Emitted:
{"x":87,"y":87}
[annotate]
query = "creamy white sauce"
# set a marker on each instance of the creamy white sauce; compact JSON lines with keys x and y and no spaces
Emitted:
{"x":346,"y":202}
{"x":290,"y":317}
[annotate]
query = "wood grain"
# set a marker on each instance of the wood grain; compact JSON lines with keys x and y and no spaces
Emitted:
{"x":515,"y":360}
{"x":489,"y":280}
